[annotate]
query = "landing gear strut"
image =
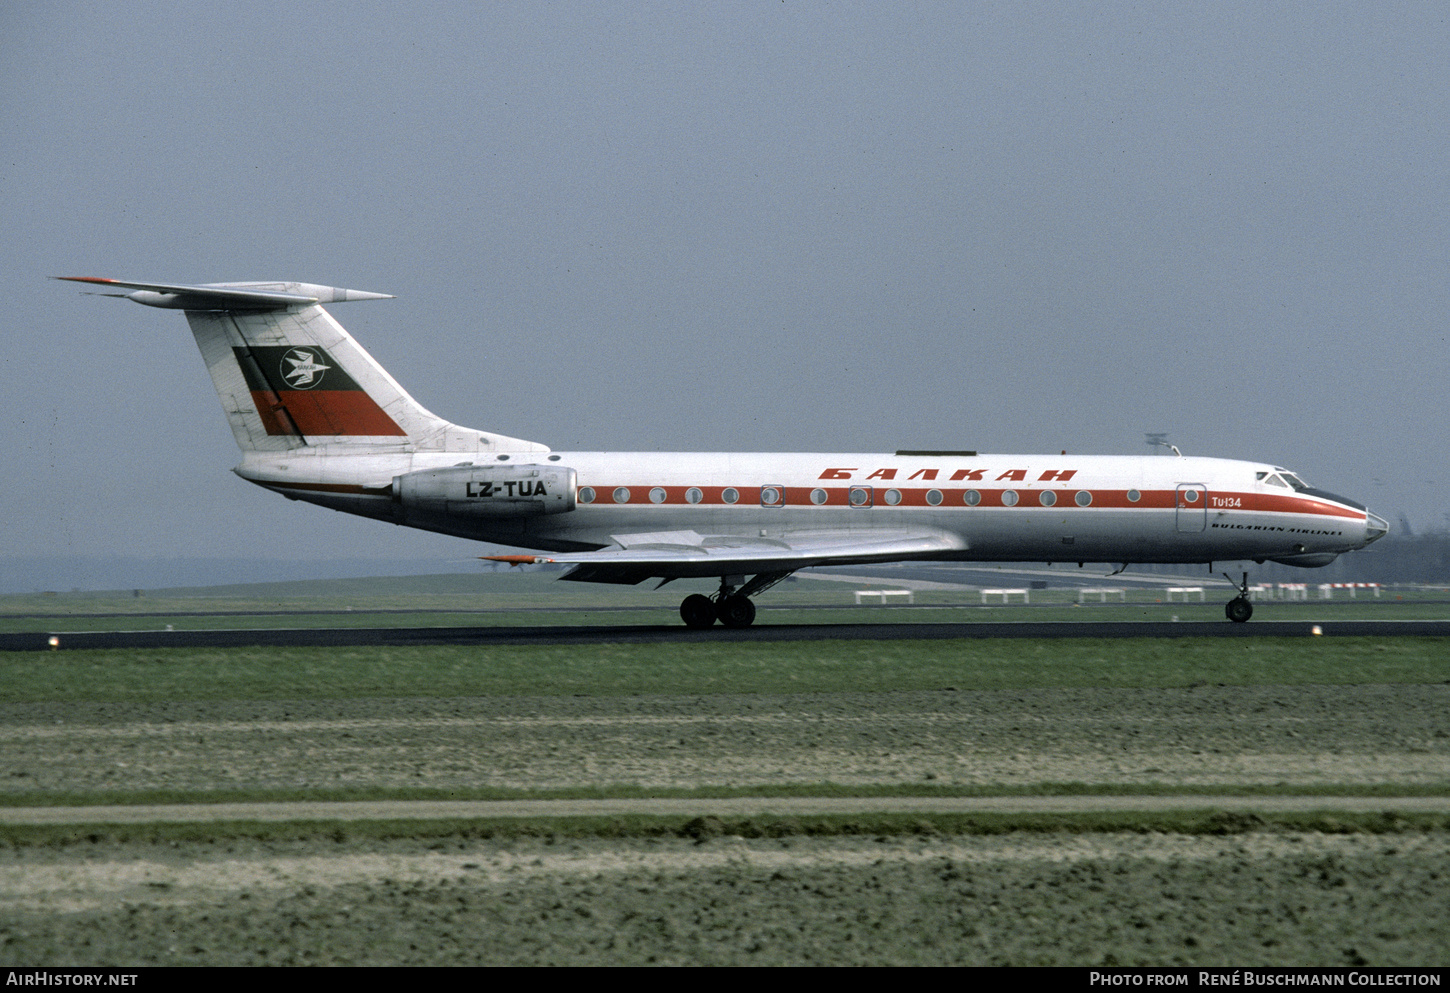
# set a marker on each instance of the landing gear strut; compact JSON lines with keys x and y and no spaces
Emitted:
{"x":1239,"y":609}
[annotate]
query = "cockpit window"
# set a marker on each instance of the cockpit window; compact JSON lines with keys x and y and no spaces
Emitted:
{"x":1274,"y":479}
{"x":1295,"y":481}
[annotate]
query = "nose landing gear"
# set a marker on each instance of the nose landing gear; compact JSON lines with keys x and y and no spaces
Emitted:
{"x":1239,"y":609}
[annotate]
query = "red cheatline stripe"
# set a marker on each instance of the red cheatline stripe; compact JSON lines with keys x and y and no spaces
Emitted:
{"x":1027,"y":499}
{"x":318,"y":412}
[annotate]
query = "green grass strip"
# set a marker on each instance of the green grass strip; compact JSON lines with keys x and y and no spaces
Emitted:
{"x":156,"y":675}
{"x":1202,"y":822}
{"x":773,"y":790}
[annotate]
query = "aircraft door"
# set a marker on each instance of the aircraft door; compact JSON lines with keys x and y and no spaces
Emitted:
{"x":1192,"y":504}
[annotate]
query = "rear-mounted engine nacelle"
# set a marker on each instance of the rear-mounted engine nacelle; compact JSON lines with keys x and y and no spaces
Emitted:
{"x":487,"y":491}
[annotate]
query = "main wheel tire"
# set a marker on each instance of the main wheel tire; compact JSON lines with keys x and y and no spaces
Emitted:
{"x":697,"y":612}
{"x":1238,"y":610}
{"x":736,"y":611}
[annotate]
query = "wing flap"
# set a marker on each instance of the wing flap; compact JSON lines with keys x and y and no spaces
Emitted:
{"x":685,"y":554}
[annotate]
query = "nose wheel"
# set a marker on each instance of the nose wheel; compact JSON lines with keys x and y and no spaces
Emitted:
{"x":1239,"y":609}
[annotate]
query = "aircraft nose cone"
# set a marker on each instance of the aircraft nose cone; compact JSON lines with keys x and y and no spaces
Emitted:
{"x":1375,"y":527}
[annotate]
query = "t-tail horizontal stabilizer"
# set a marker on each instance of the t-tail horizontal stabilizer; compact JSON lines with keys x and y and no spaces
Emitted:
{"x":290,"y":377}
{"x":229,"y":296}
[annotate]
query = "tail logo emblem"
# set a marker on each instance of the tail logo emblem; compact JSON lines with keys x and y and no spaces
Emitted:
{"x":305,"y":372}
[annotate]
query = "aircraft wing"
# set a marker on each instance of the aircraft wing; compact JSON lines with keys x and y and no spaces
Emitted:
{"x":682,"y":554}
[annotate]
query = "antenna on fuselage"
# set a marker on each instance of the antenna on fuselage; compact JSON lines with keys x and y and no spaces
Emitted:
{"x":1159,"y":439}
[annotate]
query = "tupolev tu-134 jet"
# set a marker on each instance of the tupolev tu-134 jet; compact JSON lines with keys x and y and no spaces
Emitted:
{"x":318,"y":419}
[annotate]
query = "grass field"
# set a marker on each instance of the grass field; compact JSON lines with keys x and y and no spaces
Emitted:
{"x":157,"y":675}
{"x":1143,"y":717}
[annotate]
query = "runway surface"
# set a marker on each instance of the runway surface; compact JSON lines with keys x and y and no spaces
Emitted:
{"x":728,"y":807}
{"x":655,"y":634}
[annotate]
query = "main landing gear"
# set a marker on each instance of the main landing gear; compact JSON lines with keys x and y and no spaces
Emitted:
{"x":1239,"y":609}
{"x":731,"y":607}
{"x":698,"y":611}
{"x":732,"y":610}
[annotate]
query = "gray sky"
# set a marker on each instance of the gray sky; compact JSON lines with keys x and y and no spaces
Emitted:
{"x":739,"y":226}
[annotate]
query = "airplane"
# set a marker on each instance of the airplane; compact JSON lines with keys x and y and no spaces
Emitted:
{"x":318,"y":419}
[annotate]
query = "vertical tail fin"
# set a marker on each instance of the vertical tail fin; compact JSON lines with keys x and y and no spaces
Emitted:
{"x":294,"y":377}
{"x":289,"y":376}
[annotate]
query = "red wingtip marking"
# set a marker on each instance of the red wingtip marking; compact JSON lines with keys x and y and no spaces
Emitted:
{"x":514,"y":559}
{"x":88,"y":279}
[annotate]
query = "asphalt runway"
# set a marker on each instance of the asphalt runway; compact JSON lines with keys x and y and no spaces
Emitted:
{"x":674,"y":634}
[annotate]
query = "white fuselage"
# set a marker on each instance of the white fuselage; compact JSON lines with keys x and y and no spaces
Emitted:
{"x":1049,"y":508}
